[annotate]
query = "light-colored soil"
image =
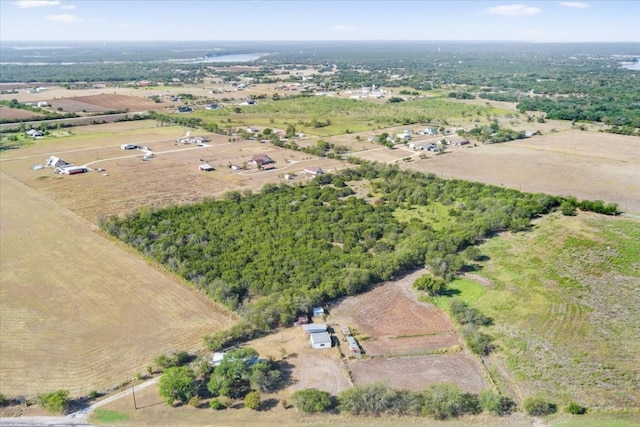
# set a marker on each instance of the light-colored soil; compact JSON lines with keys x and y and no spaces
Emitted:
{"x":80,"y":311}
{"x":418,"y":372}
{"x":390,"y":322}
{"x":587,"y":165}
{"x":101,"y":103}
{"x":16,"y":113}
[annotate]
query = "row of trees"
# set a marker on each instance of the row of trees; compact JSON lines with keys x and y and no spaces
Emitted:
{"x":439,"y":401}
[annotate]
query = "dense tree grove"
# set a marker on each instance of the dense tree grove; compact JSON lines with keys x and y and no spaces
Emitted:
{"x":273,"y":255}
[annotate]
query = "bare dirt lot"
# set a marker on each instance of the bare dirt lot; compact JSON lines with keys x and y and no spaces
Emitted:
{"x":80,"y":311}
{"x":102,"y":103}
{"x":397,"y":333}
{"x":16,"y":113}
{"x":587,"y":165}
{"x":418,"y":372}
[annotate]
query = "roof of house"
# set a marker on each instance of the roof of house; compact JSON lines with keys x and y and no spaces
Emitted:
{"x":261,"y":158}
{"x":314,"y":327}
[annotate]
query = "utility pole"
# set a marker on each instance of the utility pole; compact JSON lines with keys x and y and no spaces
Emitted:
{"x":133,"y":391}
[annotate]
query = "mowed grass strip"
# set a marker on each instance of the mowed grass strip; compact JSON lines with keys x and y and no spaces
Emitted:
{"x":564,"y":299}
{"x":80,"y":311}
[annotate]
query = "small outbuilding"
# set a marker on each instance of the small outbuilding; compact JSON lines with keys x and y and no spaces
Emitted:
{"x":353,"y":345}
{"x":206,"y":167}
{"x":320,"y":340}
{"x":313,"y":328}
{"x":313,"y":171}
{"x":318,"y":311}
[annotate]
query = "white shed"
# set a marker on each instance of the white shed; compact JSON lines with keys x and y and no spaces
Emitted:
{"x":313,"y":328}
{"x":318,"y":311}
{"x":320,"y":340}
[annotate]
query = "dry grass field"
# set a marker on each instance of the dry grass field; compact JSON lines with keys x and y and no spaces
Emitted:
{"x":79,"y":311}
{"x":171,"y":177}
{"x":102,"y":103}
{"x":587,"y":165}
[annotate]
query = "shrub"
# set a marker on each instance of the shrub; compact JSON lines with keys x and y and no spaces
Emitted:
{"x":252,"y":400}
{"x":311,"y":400}
{"x":443,"y":401}
{"x":215,"y":404}
{"x":56,"y":402}
{"x":575,"y":409}
{"x":93,"y":394}
{"x":537,"y":406}
{"x":494,"y":403}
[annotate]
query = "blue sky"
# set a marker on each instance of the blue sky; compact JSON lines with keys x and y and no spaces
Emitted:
{"x":125,"y":20}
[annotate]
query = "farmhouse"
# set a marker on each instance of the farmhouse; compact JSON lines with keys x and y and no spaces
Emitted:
{"x":404,"y":136}
{"x":320,"y":340}
{"x":34,"y":133}
{"x":313,"y":172}
{"x":261,"y":159}
{"x":55,"y":162}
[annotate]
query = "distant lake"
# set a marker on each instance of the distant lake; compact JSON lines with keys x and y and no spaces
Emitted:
{"x":631,"y":65}
{"x":240,"y":57}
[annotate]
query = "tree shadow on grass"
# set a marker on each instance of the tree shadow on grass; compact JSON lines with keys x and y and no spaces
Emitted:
{"x":450,"y":293}
{"x":268,"y":404}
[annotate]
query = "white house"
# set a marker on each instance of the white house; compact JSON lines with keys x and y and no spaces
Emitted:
{"x":320,"y":340}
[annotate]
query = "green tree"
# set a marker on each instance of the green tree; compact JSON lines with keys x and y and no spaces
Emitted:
{"x":312,"y":400}
{"x":252,"y":400}
{"x":177,"y":384}
{"x":432,"y":285}
{"x":291,"y":131}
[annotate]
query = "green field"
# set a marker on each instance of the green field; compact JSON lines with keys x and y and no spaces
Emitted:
{"x":345,"y":115}
{"x":564,"y":299}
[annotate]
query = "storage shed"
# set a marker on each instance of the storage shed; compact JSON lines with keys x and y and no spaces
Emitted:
{"x":353,"y":345}
{"x":205,"y":167}
{"x":320,"y":340}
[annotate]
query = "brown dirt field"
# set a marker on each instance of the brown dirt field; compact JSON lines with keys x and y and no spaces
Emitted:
{"x":391,"y":310}
{"x":16,"y":113}
{"x":101,"y":103}
{"x":390,"y":321}
{"x":587,"y":165}
{"x":79,"y":311}
{"x":418,"y":372}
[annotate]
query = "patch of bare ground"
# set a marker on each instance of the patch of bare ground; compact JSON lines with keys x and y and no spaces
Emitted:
{"x":587,"y":165}
{"x":16,"y":113}
{"x":101,"y":103}
{"x":418,"y":372}
{"x":80,"y":311}
{"x":390,"y":322}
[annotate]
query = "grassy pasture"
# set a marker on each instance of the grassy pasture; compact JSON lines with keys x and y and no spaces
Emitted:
{"x":564,"y":299}
{"x":344,"y":114}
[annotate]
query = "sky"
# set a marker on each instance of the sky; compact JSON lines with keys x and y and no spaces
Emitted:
{"x":207,"y":20}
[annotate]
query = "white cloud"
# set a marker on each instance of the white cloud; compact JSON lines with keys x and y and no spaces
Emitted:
{"x":24,"y":4}
{"x":63,"y":18}
{"x":513,"y":10}
{"x":68,"y":7}
{"x":575,"y":4}
{"x":344,"y":29}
